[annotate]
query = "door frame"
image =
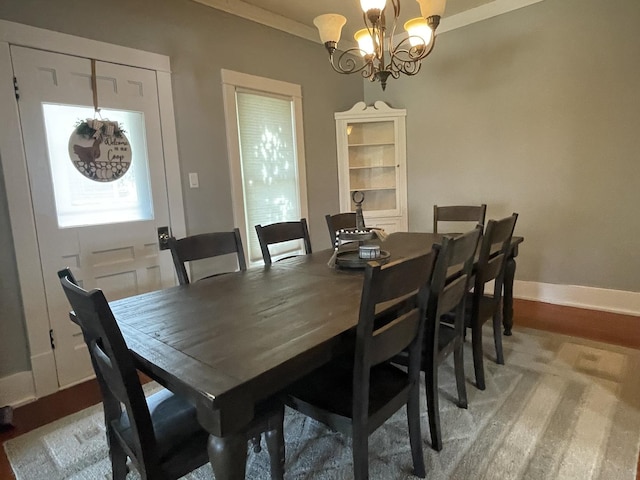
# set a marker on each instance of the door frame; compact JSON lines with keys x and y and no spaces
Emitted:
{"x":14,"y":164}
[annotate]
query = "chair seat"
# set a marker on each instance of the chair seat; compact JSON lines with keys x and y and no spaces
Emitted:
{"x":175,"y":425}
{"x":330,"y":388}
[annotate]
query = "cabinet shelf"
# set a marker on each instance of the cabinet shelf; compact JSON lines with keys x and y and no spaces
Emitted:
{"x":372,"y":166}
{"x":371,"y":144}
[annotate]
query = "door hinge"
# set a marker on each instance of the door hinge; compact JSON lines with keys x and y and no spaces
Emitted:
{"x":53,"y":345}
{"x":15,"y":88}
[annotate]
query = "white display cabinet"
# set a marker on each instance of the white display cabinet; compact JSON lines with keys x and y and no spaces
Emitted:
{"x":372,"y":159}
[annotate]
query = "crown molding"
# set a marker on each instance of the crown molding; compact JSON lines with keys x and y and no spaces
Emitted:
{"x":264,"y":17}
{"x":273,"y":20}
{"x":483,"y":12}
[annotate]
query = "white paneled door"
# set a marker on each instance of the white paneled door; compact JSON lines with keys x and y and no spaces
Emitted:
{"x":105,"y":231}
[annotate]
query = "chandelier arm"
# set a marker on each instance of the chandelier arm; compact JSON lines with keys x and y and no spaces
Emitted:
{"x":407,"y":67}
{"x":376,"y":33}
{"x":347,"y":64}
{"x":370,"y":26}
{"x":413,"y":53}
{"x":382,"y":27}
{"x":390,"y":46}
{"x":396,"y":8}
{"x":429,"y":48}
{"x":367,"y":71}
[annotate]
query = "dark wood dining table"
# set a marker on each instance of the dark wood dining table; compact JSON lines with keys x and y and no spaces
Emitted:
{"x":231,"y":341}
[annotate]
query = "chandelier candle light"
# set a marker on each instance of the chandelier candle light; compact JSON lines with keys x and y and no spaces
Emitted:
{"x":405,"y":57}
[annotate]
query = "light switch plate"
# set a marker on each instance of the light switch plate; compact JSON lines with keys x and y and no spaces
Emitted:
{"x":193,"y":180}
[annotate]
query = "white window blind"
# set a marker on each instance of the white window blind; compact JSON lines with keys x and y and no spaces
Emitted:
{"x":266,"y":131}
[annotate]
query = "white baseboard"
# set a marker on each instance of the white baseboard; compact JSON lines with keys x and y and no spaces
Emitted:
{"x":44,"y":373}
{"x":17,"y":389}
{"x":591,"y":298}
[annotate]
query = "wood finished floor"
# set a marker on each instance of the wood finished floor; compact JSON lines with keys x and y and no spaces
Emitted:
{"x":605,"y":327}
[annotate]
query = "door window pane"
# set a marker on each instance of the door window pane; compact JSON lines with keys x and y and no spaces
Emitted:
{"x":81,"y":201}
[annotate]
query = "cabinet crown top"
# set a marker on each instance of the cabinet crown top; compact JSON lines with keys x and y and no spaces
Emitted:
{"x":379,"y":108}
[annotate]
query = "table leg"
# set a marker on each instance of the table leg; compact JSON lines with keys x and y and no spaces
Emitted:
{"x":507,"y":298}
{"x":228,"y":456}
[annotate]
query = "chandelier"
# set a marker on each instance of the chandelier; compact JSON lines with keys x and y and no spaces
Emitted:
{"x":376,"y":57}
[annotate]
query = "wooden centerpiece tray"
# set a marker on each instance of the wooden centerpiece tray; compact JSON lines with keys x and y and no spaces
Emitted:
{"x":351,"y":259}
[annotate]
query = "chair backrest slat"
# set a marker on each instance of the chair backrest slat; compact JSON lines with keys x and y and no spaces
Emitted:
{"x":453,"y":293}
{"x":205,"y":245}
{"x":491,"y":269}
{"x":282,"y":232}
{"x":458,"y":213}
{"x":394,"y":337}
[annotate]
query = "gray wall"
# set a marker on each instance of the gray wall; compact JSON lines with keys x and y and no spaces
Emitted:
{"x":200,"y":41}
{"x":536,"y":111}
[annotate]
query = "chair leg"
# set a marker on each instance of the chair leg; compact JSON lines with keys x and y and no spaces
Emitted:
{"x":415,"y":437}
{"x":458,"y":364}
{"x":497,"y":335}
{"x":478,"y":362}
{"x":118,"y":460}
{"x":360,"y":448}
{"x":433,"y":407}
{"x":274,"y":437}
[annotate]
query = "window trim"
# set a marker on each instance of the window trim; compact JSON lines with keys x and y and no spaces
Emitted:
{"x":231,"y":82}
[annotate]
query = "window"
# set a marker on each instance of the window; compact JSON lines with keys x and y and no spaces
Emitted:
{"x":266,"y":155}
{"x":83,"y":202}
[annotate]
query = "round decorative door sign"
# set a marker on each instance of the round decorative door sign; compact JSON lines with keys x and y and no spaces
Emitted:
{"x":100,"y":150}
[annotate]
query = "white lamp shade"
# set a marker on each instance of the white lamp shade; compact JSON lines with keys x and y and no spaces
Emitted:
{"x":365,"y":42}
{"x":419,"y":31}
{"x":329,"y":26}
{"x":372,"y":4}
{"x":429,"y":8}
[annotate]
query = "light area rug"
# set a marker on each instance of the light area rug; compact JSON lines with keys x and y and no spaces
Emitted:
{"x":561,"y":408}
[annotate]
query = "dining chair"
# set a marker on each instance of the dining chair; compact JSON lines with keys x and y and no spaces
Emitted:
{"x":339,"y":221}
{"x":160,"y":434}
{"x":205,"y":245}
{"x":357,"y":393}
{"x":458,"y":213}
{"x":282,"y":232}
{"x":447,"y":292}
{"x":482,"y":306}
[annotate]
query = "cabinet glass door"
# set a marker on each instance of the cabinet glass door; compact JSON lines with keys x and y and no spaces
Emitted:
{"x":372,"y":164}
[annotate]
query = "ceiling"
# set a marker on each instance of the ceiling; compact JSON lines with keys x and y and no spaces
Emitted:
{"x":296,"y":16}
